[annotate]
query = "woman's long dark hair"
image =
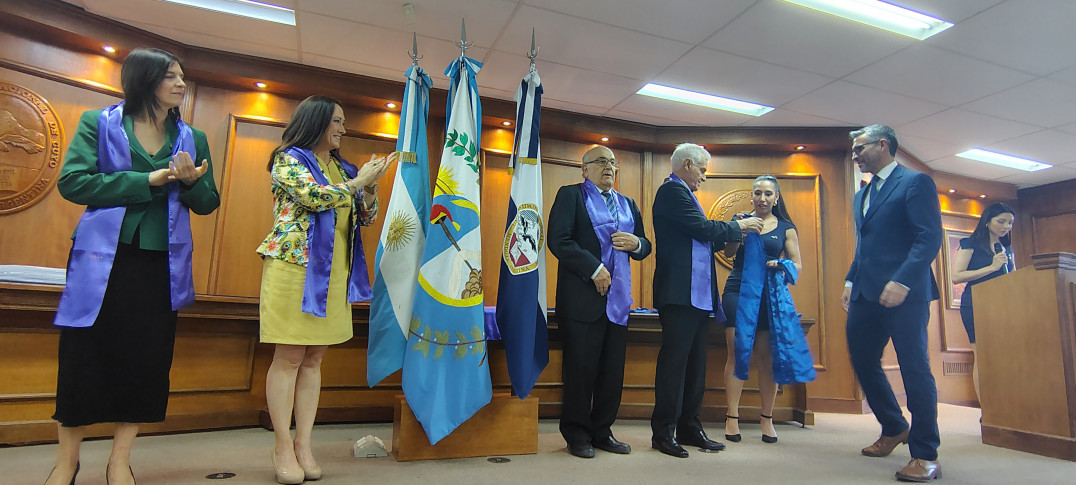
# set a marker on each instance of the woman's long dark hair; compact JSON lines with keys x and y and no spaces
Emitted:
{"x":981,"y":236}
{"x":779,"y":210}
{"x":308,"y":124}
{"x":143,"y":70}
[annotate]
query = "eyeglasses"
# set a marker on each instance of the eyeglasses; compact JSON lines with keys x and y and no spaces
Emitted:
{"x":604,"y":161}
{"x":857,"y":149}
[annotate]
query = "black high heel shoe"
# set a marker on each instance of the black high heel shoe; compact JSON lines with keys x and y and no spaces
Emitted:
{"x":735,"y":438}
{"x":106,"y":475}
{"x":78,"y":465}
{"x":765,"y":438}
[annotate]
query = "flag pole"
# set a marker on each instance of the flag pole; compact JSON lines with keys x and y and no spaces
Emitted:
{"x":463,"y":44}
{"x":533,"y":54}
{"x":413,"y":53}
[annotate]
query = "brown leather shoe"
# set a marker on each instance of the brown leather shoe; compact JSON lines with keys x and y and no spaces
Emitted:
{"x":885,"y":444}
{"x":919,"y":470}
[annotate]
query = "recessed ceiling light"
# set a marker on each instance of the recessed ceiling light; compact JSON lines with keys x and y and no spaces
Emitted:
{"x":705,"y":100}
{"x":109,"y":49}
{"x":982,"y":196}
{"x":243,"y":8}
{"x":390,"y":105}
{"x":1003,"y":160}
{"x":879,"y":14}
{"x":506,"y":123}
{"x":801,"y":147}
{"x":605,"y":138}
{"x":952,"y":191}
{"x":260,"y":85}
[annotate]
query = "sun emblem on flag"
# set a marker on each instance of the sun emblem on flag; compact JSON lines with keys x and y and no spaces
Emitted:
{"x":446,"y":182}
{"x":401,"y":231}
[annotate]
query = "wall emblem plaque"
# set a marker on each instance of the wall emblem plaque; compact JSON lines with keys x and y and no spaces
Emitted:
{"x":31,"y":142}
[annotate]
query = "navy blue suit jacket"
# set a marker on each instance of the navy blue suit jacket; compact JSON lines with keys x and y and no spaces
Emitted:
{"x":899,"y":237}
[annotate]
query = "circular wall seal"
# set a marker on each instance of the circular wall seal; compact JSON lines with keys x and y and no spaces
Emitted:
{"x":732,"y":202}
{"x":31,"y":139}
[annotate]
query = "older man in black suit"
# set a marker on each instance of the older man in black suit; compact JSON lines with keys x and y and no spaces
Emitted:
{"x":593,"y":231}
{"x":887,"y":295}
{"x":685,"y":292}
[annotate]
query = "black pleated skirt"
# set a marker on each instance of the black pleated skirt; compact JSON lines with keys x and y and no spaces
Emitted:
{"x":116,"y":371}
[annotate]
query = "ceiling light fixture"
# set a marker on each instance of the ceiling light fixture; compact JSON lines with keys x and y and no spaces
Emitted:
{"x":952,"y":191}
{"x":260,"y":85}
{"x":879,"y":14}
{"x":109,"y":49}
{"x":1003,"y":160}
{"x":390,"y":105}
{"x":982,"y":196}
{"x":801,"y":147}
{"x":506,"y":123}
{"x":705,"y":100}
{"x":605,"y":138}
{"x":243,"y":8}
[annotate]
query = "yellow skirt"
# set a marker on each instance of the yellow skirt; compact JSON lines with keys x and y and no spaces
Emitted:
{"x":282,"y":318}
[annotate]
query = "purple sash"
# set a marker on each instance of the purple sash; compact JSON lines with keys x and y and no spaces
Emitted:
{"x":320,"y":240}
{"x":701,"y":264}
{"x":618,"y":299}
{"x":94,"y":248}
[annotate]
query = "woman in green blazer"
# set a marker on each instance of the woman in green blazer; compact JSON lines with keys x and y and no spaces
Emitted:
{"x":129,"y":271}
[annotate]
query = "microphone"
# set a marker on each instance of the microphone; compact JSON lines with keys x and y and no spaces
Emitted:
{"x":1008,"y":258}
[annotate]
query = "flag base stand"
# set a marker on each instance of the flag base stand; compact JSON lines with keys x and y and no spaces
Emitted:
{"x":506,"y":426}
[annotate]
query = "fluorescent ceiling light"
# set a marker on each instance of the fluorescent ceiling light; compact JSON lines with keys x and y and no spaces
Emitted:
{"x":880,"y":14}
{"x":244,"y":8}
{"x":1003,"y":160}
{"x":706,"y":100}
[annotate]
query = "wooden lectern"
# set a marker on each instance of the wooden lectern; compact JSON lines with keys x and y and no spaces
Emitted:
{"x":1026,"y":346}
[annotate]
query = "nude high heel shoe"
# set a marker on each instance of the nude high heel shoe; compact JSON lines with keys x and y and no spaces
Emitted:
{"x":287,"y":477}
{"x":312,"y":473}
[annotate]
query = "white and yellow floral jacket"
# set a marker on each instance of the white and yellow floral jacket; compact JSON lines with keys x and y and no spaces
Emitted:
{"x":295,"y":195}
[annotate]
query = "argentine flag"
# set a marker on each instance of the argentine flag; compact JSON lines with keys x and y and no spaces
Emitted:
{"x":403,"y":236}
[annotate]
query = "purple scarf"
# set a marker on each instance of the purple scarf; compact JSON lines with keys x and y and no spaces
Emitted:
{"x":618,"y":299}
{"x":94,"y":249}
{"x":320,"y":243}
{"x":701,"y":265}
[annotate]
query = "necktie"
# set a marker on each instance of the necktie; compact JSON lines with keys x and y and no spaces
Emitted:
{"x":610,"y":202}
{"x":875,"y":182}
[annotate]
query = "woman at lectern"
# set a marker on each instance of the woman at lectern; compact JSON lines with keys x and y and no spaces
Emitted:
{"x":313,"y":270}
{"x":985,"y":255}
{"x":135,"y":166}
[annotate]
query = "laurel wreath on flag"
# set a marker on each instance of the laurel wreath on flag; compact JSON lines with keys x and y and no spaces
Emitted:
{"x":462,"y":147}
{"x":441,"y":339}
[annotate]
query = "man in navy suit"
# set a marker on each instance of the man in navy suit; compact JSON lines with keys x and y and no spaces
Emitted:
{"x":887,"y":295}
{"x":685,"y":292}
{"x":593,"y":231}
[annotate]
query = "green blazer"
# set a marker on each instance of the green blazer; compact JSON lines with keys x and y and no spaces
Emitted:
{"x":147,"y":207}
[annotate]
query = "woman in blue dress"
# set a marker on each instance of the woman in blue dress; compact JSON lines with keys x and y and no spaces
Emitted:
{"x":985,"y":255}
{"x":778,"y":236}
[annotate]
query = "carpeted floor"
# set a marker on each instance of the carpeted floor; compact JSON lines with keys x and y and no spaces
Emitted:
{"x":826,"y":453}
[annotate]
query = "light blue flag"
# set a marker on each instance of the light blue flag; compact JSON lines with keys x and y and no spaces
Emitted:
{"x":399,"y":251}
{"x":446,"y":369}
{"x":521,"y":296}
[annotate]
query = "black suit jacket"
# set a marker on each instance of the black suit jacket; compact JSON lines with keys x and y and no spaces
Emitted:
{"x":899,"y":237}
{"x":573,"y":241}
{"x":677,"y":221}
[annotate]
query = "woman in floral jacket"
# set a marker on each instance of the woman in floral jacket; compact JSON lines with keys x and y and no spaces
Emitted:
{"x":320,"y":200}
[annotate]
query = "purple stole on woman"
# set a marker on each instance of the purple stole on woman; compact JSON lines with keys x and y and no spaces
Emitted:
{"x":701,"y":266}
{"x":320,"y":238}
{"x":94,"y":248}
{"x":792,"y":360}
{"x":618,"y":298}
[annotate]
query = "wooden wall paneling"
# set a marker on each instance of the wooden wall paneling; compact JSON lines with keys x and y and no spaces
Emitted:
{"x":1053,"y":233}
{"x":556,"y":173}
{"x":34,"y":355}
{"x":496,"y":191}
{"x":212,"y":363}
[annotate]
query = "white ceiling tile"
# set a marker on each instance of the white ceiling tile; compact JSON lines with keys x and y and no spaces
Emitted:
{"x":952,"y":11}
{"x":1067,"y":76}
{"x":793,"y":36}
{"x":785,"y":117}
{"x":1030,"y":35}
{"x":1047,"y":146}
{"x":361,"y":69}
{"x":574,"y":107}
{"x":590,"y":45}
{"x":1040,"y":102}
{"x":439,"y":19}
{"x":564,"y":83}
{"x":924,"y":149}
{"x":1041,"y":177}
{"x":646,"y":119}
{"x":971,"y":168}
{"x":669,"y":21}
{"x":1070,"y":128}
{"x":939,"y":76}
{"x":861,"y":105}
{"x":965,"y":129}
{"x":238,"y":45}
{"x":722,"y":74}
{"x":674,"y":110}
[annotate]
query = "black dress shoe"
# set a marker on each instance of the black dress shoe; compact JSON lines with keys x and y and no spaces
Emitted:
{"x":582,"y":450}
{"x":699,"y":439}
{"x":611,"y":445}
{"x":669,"y":447}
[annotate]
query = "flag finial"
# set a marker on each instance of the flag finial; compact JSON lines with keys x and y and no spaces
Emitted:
{"x":533,"y":54}
{"x":413,"y":53}
{"x":463,"y":44}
